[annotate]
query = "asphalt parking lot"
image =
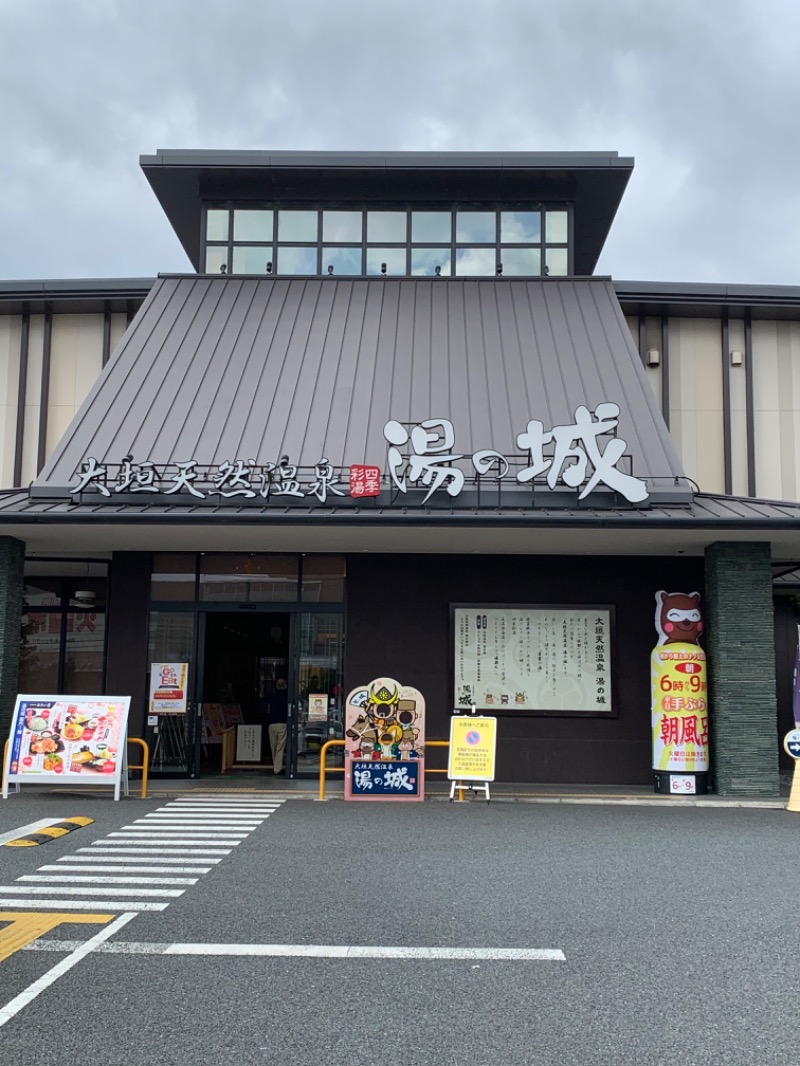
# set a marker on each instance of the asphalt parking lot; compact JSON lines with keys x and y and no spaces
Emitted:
{"x":253,"y":928}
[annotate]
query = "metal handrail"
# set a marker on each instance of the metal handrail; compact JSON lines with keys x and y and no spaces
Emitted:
{"x":340,"y":769}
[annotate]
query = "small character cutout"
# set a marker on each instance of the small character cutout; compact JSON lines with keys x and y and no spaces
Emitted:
{"x":678,"y":617}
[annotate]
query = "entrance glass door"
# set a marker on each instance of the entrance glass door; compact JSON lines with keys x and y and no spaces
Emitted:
{"x":245,"y":666}
{"x":318,"y":696}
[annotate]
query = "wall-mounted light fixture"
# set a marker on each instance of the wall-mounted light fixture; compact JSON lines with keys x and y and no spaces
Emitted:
{"x":737,"y":358}
{"x":653,"y":357}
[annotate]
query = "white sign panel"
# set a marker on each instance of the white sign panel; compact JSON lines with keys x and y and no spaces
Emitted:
{"x":67,"y":738}
{"x":248,"y":743}
{"x":533,"y":659}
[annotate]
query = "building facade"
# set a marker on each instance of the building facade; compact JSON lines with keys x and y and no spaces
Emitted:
{"x":333,"y":451}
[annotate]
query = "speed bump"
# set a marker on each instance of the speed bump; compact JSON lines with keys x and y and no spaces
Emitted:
{"x":48,"y":832}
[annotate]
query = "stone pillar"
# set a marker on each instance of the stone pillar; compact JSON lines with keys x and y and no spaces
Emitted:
{"x":12,"y":563}
{"x":741,"y":668}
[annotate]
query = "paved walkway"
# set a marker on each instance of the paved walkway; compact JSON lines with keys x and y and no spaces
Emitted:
{"x":505,"y":792}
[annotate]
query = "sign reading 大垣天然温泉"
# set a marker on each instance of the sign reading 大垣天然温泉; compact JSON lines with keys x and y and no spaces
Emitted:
{"x":419,"y":457}
{"x":527,"y":659}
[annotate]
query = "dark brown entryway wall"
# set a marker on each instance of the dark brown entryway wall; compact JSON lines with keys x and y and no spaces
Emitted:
{"x":398,"y":625}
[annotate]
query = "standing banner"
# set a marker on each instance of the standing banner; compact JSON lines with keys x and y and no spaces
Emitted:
{"x":168,"y":688}
{"x":384,"y":738}
{"x":473,"y":744}
{"x":679,"y":701}
{"x":68,"y":738}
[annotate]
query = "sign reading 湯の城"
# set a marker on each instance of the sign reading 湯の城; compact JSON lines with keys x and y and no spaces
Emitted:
{"x":384,"y":738}
{"x":67,"y":738}
{"x":421,"y":457}
{"x":523,"y":658}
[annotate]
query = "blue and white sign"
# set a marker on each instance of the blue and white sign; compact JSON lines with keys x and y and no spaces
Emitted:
{"x":385,"y":778}
{"x":791,"y":743}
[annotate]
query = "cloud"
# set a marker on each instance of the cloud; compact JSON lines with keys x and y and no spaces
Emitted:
{"x":703,"y":96}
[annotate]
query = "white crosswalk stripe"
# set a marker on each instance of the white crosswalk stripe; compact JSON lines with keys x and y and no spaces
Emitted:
{"x":125,"y":866}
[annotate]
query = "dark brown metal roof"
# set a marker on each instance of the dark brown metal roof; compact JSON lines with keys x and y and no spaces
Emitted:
{"x":215,"y":368}
{"x":705,"y":511}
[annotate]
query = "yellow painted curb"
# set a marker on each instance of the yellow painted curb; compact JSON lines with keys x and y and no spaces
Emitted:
{"x":49,"y":832}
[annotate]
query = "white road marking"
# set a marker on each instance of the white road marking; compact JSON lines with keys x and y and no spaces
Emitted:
{"x":314,"y":951}
{"x":151,"y":830}
{"x":83,"y":905}
{"x":177,"y":822}
{"x":213,"y":808}
{"x":72,"y":879}
{"x":145,"y":838}
{"x":114,"y":857}
{"x":32,"y":991}
{"x":119,"y":847}
{"x":23,"y":830}
{"x":128,"y":868}
{"x":53,"y":890}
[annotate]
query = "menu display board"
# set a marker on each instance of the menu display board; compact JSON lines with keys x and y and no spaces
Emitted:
{"x":520,"y":658}
{"x":67,"y":738}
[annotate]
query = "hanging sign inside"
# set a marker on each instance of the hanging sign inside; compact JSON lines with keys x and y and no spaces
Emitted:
{"x":168,"y":688}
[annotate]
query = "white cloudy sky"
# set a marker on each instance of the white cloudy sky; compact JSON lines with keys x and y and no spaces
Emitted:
{"x":704,"y":94}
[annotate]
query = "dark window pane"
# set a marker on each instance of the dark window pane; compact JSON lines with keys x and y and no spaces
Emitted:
{"x":252,"y":259}
{"x":39,"y":650}
{"x":173,"y":576}
{"x":388,"y":227}
{"x":476,"y":227}
{"x":297,"y":260}
{"x":476,"y":262}
{"x":83,"y":659}
{"x":344,"y":226}
{"x":217,"y":224}
{"x":557,"y":262}
{"x":323,"y":578}
{"x":521,"y":262}
{"x":431,"y":226}
{"x":252,"y":225}
{"x":215,"y":259}
{"x":297,"y":225}
{"x":343,"y":260}
{"x":244,"y":578}
{"x":42,"y":592}
{"x":394,"y":258}
{"x":520,"y":227}
{"x":171,"y":638}
{"x":425,"y":260}
{"x":556,"y":227}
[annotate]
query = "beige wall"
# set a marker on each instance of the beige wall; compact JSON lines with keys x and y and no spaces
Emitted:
{"x":776,"y":406}
{"x":76,"y":359}
{"x":696,"y":401}
{"x":10,"y":333}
